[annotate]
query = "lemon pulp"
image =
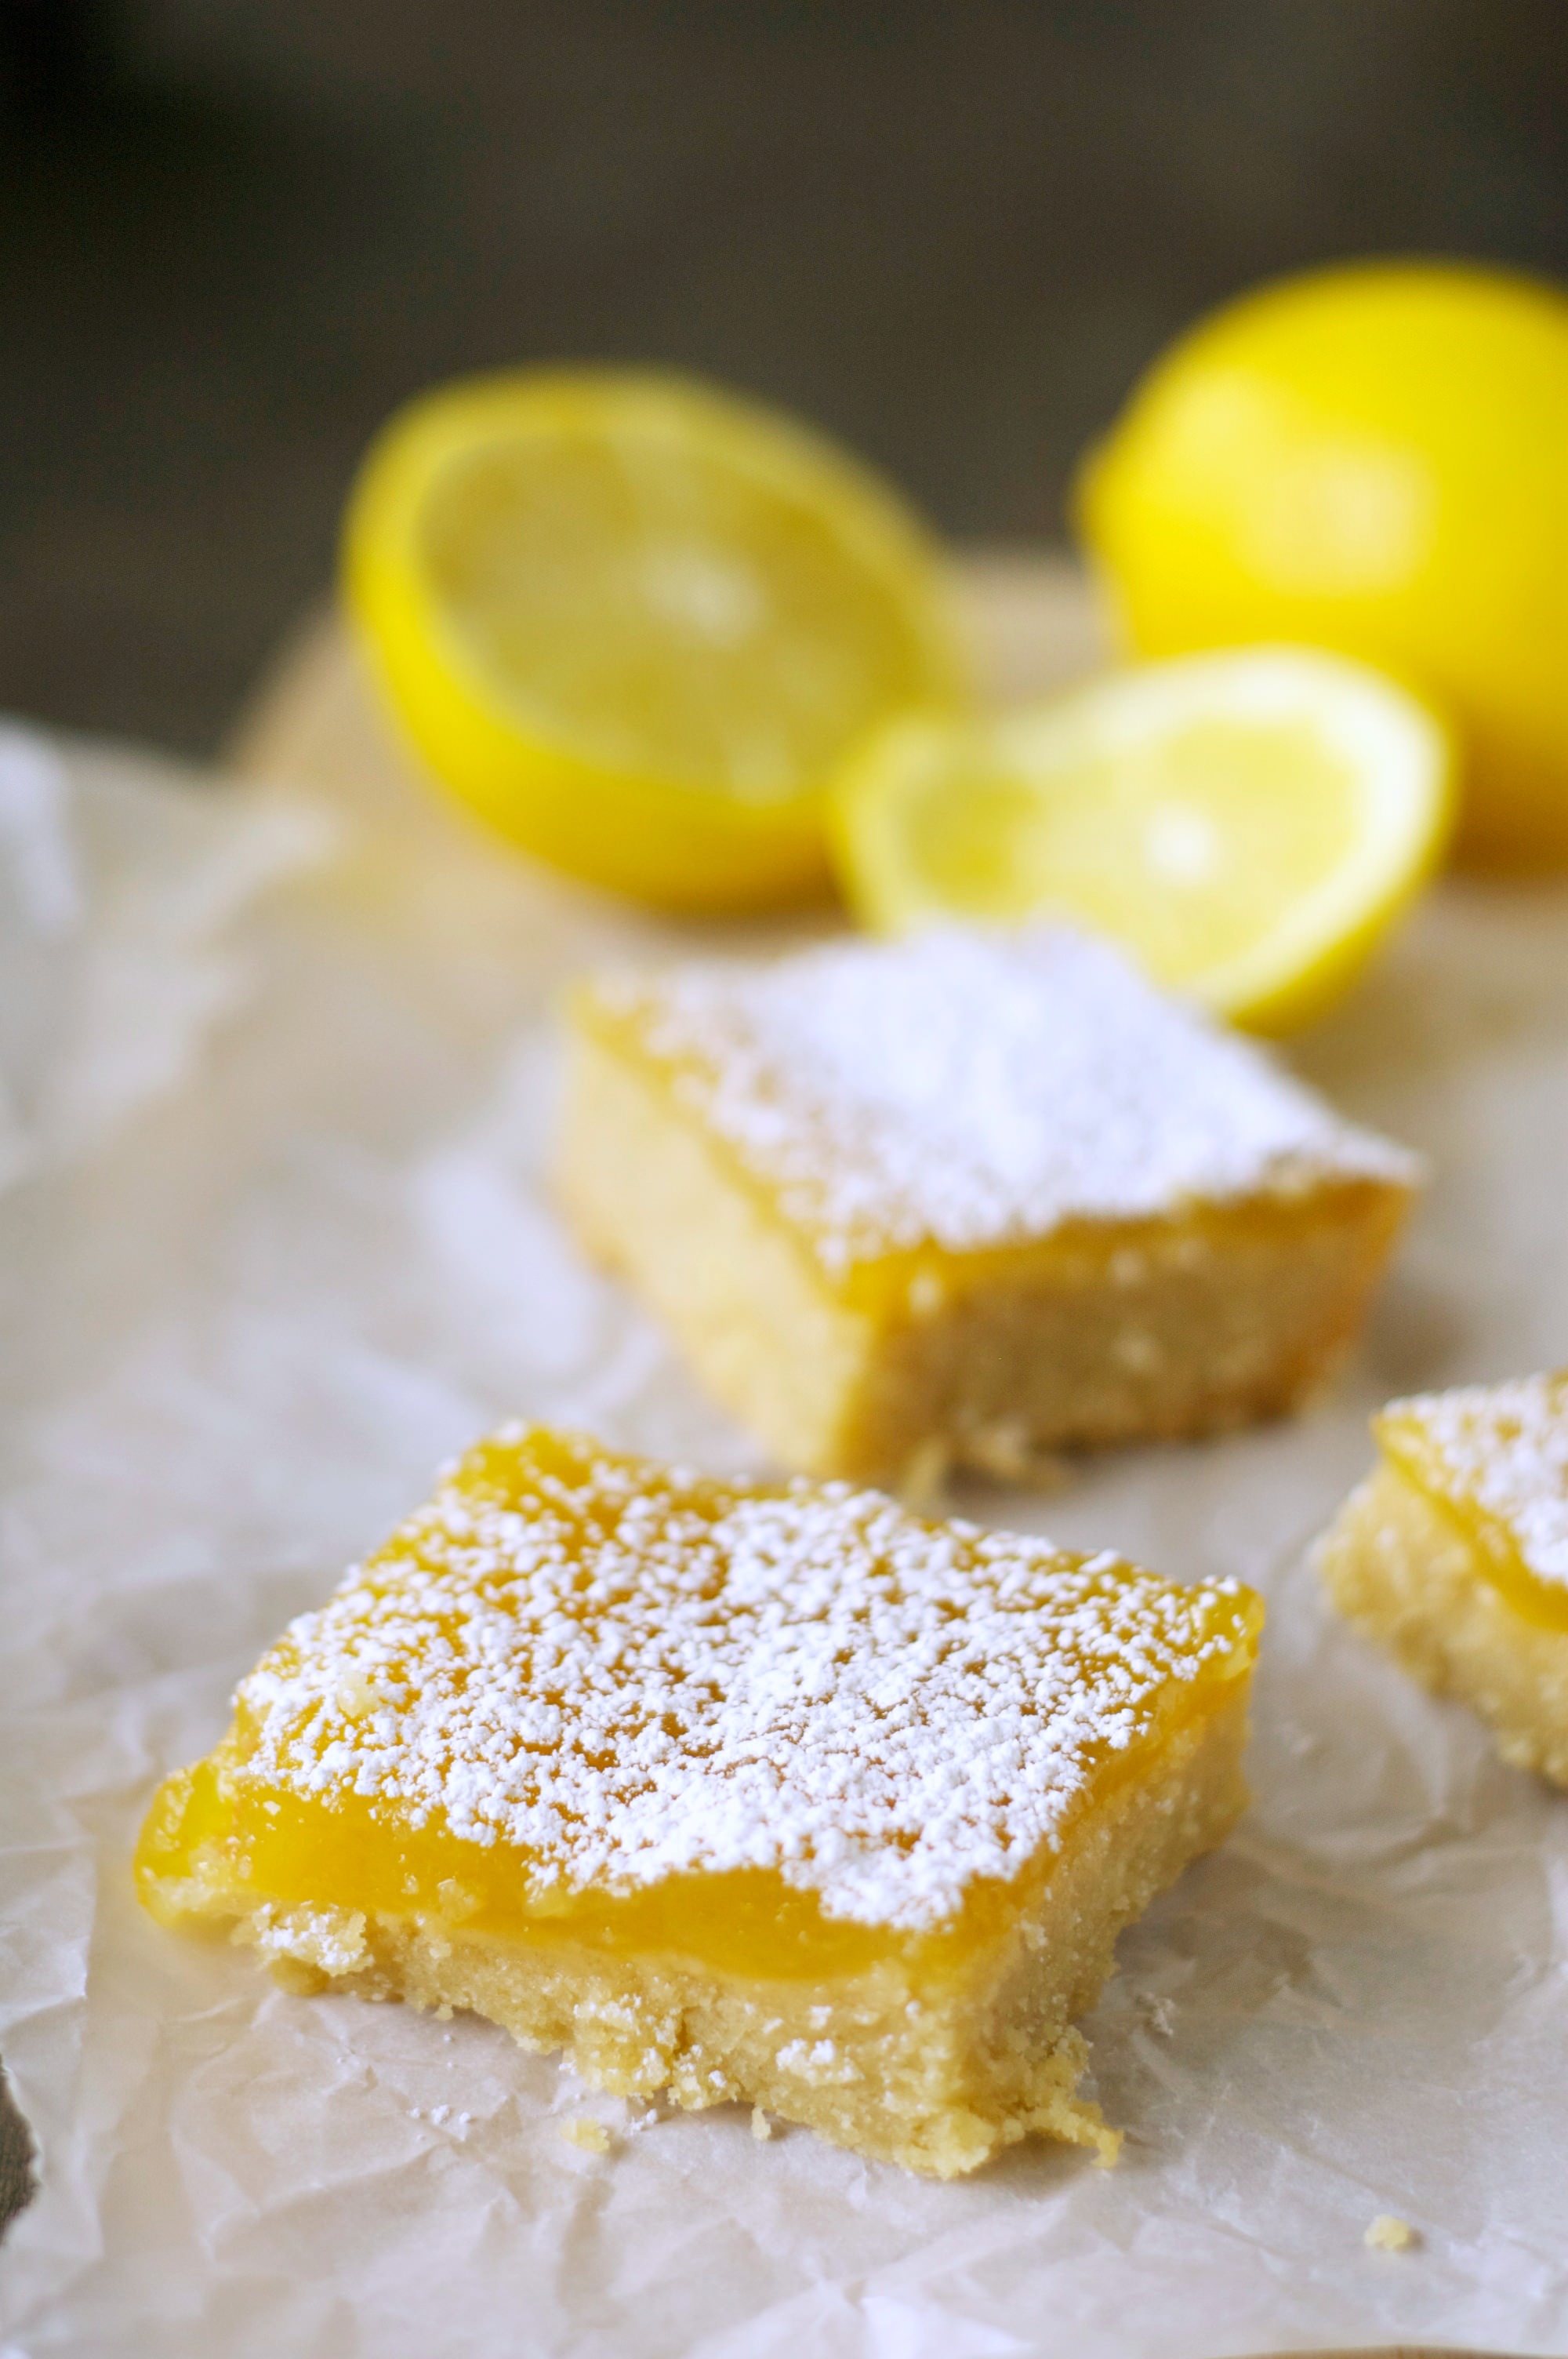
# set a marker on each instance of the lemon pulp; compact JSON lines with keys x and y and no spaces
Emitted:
{"x":635,"y":623}
{"x":699,"y":621}
{"x":1246,"y":825}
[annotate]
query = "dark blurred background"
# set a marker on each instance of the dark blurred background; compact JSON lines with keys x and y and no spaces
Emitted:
{"x":235,"y":233}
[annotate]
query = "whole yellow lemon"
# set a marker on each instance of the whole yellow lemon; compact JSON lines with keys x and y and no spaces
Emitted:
{"x":1372,"y":458}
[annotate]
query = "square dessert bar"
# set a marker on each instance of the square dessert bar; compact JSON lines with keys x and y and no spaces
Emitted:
{"x":727,"y":1790}
{"x":1453,"y":1554}
{"x":967,"y":1199}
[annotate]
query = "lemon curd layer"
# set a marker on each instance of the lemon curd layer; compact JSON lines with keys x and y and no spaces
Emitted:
{"x":1494,"y":1459}
{"x":969,"y":1196}
{"x":728,"y":1789}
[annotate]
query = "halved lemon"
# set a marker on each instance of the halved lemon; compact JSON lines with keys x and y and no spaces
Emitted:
{"x":636,"y":622}
{"x":1247,"y":824}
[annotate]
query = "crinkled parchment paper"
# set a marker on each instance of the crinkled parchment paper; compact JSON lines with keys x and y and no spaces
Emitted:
{"x":274,"y":1237}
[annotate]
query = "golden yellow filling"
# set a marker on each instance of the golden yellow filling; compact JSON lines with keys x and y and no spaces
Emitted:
{"x":261,"y":1843}
{"x":213,"y":1826}
{"x":1494,"y":1462}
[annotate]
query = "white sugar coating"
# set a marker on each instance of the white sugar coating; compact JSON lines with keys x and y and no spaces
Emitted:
{"x":628,"y":1671}
{"x":1506,"y":1447}
{"x":967,"y":1090}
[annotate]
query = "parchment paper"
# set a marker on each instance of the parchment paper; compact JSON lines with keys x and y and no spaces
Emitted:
{"x":274,"y":1237}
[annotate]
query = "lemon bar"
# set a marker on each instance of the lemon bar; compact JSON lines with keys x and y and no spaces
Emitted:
{"x":967,"y":1199}
{"x":727,"y":1790}
{"x":1453,"y":1554}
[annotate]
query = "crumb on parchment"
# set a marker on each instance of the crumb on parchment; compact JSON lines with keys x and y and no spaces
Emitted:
{"x":760,"y":2125}
{"x":1390,"y":2235}
{"x":582,"y":2130}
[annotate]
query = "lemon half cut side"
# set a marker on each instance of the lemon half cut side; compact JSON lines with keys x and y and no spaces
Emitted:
{"x":1247,"y":824}
{"x":635,"y":622}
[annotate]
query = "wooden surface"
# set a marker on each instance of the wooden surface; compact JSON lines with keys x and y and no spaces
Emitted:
{"x":1029,"y":618}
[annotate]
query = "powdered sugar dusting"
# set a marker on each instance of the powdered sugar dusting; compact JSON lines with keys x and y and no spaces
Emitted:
{"x":1505,"y":1446}
{"x":970,"y":1090}
{"x":628,"y":1671}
